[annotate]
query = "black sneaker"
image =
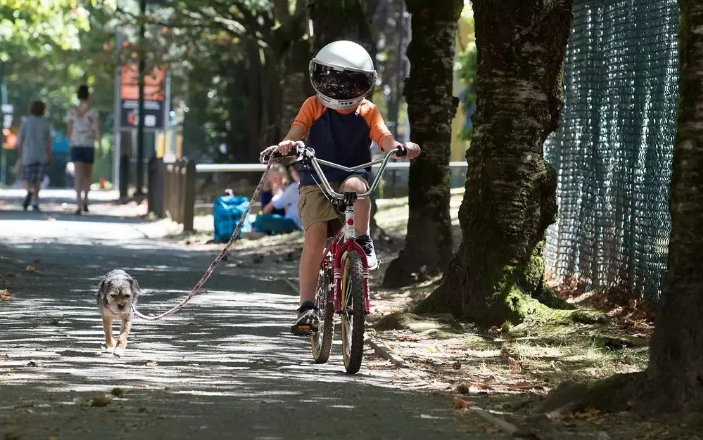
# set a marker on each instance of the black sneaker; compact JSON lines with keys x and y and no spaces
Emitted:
{"x":308,"y":319}
{"x":85,"y":207}
{"x":35,"y":207}
{"x":27,"y":199}
{"x":366,"y":244}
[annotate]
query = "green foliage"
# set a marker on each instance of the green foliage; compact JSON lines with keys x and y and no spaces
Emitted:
{"x":40,"y":26}
{"x":466,"y":67}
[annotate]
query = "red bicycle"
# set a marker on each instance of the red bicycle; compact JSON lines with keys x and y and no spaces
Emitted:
{"x":342,"y":284}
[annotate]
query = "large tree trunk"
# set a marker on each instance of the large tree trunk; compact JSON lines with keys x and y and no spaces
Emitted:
{"x":676,"y":364}
{"x":510,"y":189}
{"x":431,"y":107}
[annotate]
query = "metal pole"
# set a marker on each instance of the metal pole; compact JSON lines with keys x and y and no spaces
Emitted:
{"x":118,"y":115}
{"x":140,"y":124}
{"x":3,"y":167}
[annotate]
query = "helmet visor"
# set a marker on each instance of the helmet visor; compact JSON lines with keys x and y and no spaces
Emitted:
{"x":340,"y":84}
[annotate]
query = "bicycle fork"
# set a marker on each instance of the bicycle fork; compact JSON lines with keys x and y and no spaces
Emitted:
{"x":349,"y":244}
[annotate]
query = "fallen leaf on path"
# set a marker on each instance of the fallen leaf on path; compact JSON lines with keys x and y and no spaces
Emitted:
{"x":117,"y":392}
{"x":5,"y":295}
{"x":521,"y":385}
{"x":31,"y":268}
{"x":152,"y":364}
{"x":460,"y":403}
{"x":37,"y":261}
{"x":31,"y":364}
{"x":494,"y":330}
{"x":514,"y":364}
{"x":479,"y":385}
{"x":149,"y":269}
{"x":101,"y":401}
{"x":108,"y":421}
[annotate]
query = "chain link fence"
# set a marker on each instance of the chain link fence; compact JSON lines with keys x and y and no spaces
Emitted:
{"x":614,"y":148}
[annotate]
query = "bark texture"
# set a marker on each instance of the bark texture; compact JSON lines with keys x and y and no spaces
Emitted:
{"x":510,"y":196}
{"x":431,"y":108}
{"x":676,"y":364}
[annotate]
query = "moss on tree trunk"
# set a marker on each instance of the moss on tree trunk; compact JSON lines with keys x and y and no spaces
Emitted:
{"x":431,"y":107}
{"x":510,"y":190}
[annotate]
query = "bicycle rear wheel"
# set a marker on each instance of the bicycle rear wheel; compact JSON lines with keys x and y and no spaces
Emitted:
{"x":353,"y":312}
{"x":321,"y":340}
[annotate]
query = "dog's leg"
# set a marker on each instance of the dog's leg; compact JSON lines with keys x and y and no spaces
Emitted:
{"x":107,"y":327}
{"x":122,"y":340}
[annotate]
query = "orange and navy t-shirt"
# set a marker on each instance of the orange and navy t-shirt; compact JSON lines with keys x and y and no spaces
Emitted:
{"x":341,"y":137}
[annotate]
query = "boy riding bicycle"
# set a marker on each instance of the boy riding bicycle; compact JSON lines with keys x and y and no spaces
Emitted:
{"x":339,"y":124}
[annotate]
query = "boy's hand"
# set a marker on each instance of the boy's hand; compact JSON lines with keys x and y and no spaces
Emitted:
{"x":284,"y":147}
{"x":412,"y":149}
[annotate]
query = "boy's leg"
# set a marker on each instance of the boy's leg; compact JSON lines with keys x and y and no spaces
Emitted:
{"x":362,"y":207}
{"x":308,"y":318}
{"x":362,"y":214}
{"x":315,"y":240}
{"x":316,"y":212}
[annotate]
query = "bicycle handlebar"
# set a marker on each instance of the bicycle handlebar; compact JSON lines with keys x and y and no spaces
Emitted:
{"x":308,"y":154}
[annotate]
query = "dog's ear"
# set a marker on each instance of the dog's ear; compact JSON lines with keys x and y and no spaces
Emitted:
{"x":136,"y":290}
{"x":101,"y":287}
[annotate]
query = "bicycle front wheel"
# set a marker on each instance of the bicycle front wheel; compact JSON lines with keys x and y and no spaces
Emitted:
{"x":321,"y":340}
{"x":353,"y":312}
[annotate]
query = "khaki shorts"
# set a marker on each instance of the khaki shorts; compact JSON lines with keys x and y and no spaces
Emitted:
{"x":314,"y":207}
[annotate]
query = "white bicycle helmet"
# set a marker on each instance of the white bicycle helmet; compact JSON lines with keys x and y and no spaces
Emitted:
{"x":342,"y":74}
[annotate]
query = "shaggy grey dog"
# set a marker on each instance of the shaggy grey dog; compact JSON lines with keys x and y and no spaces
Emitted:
{"x":117,"y":293}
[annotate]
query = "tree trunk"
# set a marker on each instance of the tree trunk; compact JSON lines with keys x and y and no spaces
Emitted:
{"x":431,"y":107}
{"x":510,"y":189}
{"x":676,"y":364}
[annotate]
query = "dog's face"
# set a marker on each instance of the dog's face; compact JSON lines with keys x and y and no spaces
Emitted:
{"x":119,"y":291}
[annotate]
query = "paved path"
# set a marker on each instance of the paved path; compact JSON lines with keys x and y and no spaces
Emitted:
{"x":225,"y":367}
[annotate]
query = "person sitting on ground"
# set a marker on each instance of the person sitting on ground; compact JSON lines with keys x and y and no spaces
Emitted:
{"x":34,"y":153}
{"x":83,"y":130}
{"x":272,"y":223}
{"x":275,"y":185}
{"x":339,"y":124}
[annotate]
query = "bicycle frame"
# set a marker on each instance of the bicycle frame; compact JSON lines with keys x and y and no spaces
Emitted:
{"x":345,"y":240}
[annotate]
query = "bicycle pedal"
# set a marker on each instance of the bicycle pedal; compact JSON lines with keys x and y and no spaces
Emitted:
{"x":302,"y":330}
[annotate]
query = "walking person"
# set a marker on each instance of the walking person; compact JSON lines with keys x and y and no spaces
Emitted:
{"x":33,"y":153}
{"x":83,"y":130}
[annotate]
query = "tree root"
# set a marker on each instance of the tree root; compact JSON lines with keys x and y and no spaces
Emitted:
{"x":621,"y":392}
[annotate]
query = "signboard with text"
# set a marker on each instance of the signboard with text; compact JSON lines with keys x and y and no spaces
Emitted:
{"x":154,"y":98}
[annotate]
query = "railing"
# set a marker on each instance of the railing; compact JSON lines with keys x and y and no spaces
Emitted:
{"x":172,"y":185}
{"x":172,"y":190}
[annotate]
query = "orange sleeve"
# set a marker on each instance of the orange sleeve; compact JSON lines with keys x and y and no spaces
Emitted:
{"x":377,"y":127}
{"x":308,"y":113}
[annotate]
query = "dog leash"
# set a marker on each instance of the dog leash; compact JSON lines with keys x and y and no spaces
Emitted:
{"x":266,"y":157}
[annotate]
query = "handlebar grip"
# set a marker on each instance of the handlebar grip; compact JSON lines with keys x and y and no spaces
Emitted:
{"x":401,"y":151}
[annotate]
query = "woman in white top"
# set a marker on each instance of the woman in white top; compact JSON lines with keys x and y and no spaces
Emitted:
{"x":83,"y":130}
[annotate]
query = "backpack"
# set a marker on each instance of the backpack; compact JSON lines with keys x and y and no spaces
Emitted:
{"x":227,"y":211}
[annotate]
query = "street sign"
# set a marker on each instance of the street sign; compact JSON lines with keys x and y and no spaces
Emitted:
{"x":154,"y":98}
{"x":7,"y":110}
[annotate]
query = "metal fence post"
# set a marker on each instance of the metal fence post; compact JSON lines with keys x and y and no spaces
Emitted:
{"x":124,"y":176}
{"x":189,"y":195}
